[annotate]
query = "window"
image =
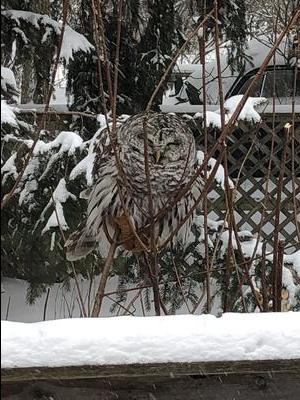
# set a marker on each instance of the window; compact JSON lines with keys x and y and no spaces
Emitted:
{"x":281,"y":83}
{"x":284,"y":84}
{"x":255,"y":91}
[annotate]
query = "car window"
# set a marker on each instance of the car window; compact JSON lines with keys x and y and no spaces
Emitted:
{"x":281,"y":83}
{"x":255,"y":91}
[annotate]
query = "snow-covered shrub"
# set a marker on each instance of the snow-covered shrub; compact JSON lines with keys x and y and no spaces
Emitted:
{"x":32,"y":244}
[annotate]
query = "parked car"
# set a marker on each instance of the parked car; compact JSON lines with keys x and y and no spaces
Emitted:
{"x":184,"y":94}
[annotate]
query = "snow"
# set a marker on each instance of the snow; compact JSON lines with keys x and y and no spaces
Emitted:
{"x":293,"y":259}
{"x":84,"y":166}
{"x":248,"y":113}
{"x":220,"y":174}
{"x":9,"y":168}
{"x":62,"y":300}
{"x":8,"y":79}
{"x":72,"y":41}
{"x":57,"y":218}
{"x":128,"y":340}
{"x":212,"y":118}
{"x":213,"y":225}
{"x":26,"y":195}
{"x":8,"y":114}
{"x":68,"y":142}
{"x":186,"y":108}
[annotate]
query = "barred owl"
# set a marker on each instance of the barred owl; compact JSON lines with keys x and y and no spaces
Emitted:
{"x":171,"y":150}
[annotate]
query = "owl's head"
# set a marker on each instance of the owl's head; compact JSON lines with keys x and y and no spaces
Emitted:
{"x":169,"y":139}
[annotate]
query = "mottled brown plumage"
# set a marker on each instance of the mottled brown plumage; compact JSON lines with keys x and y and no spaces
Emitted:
{"x":171,"y":149}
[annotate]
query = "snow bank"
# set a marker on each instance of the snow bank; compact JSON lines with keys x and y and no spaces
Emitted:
{"x":127,"y":340}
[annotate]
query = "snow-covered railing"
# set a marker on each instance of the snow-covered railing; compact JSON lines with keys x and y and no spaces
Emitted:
{"x":79,"y":357}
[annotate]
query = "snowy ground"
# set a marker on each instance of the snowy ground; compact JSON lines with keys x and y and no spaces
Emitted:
{"x":127,"y":340}
{"x":61,"y":303}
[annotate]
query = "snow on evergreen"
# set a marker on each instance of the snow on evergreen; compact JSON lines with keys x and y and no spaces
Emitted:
{"x":8,"y":82}
{"x":57,"y":218}
{"x":85,"y":166}
{"x":66,"y":141}
{"x":8,"y":115}
{"x":9,"y":168}
{"x":72,"y":41}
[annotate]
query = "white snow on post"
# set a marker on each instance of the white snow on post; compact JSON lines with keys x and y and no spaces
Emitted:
{"x":249,"y":112}
{"x":128,"y":340}
{"x":212,"y":118}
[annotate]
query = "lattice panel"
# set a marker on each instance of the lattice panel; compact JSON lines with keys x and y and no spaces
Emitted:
{"x":250,"y":147}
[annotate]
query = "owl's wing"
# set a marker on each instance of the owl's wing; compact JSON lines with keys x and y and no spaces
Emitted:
{"x":80,"y":243}
{"x":90,"y":234}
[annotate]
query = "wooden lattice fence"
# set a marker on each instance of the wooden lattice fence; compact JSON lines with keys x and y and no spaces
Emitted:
{"x":249,"y":152}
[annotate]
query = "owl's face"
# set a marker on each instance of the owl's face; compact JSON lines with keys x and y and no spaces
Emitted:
{"x":165,"y":146}
{"x":168,"y":138}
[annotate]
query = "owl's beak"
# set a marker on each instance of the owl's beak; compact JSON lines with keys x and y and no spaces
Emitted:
{"x":157,"y":155}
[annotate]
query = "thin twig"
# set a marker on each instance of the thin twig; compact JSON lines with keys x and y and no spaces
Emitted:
{"x":277,"y":217}
{"x":264,"y":289}
{"x":46,"y":304}
{"x":153,"y":265}
{"x":205,"y":205}
{"x":72,"y":263}
{"x":7,"y":308}
{"x":279,"y":266}
{"x":104,"y":276}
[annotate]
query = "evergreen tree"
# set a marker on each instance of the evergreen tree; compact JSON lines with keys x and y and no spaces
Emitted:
{"x":34,"y":47}
{"x":147,"y":42}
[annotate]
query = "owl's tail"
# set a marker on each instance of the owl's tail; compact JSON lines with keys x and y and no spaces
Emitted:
{"x":80,"y":243}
